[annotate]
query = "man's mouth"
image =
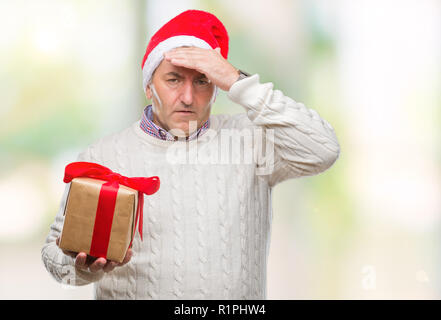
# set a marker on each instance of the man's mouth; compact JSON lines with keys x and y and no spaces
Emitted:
{"x":184,"y":111}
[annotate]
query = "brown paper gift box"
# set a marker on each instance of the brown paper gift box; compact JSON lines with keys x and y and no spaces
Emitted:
{"x":80,"y":214}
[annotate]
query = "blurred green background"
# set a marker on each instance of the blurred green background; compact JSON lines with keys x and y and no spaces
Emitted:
{"x":368,"y":228}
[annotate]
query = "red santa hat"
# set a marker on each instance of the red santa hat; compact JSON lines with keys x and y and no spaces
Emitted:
{"x":190,"y":28}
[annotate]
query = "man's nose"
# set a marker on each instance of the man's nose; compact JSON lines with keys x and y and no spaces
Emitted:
{"x":187,"y":93}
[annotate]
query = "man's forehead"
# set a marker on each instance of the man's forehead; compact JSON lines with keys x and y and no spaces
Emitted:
{"x":167,"y":68}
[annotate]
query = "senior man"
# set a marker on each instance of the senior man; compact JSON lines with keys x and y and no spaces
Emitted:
{"x":207,"y":230}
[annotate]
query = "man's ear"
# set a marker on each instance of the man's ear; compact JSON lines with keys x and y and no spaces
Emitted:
{"x":148,"y":92}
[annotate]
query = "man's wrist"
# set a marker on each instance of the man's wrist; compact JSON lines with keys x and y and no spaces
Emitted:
{"x":242,"y":75}
{"x":239,"y":75}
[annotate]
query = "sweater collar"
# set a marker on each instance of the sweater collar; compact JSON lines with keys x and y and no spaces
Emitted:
{"x":215,"y":123}
{"x":149,"y":127}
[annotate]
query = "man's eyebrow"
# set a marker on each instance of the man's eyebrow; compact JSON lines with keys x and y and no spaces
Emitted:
{"x":173,"y":73}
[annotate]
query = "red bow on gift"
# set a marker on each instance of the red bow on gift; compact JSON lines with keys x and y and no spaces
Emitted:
{"x":107,"y":198}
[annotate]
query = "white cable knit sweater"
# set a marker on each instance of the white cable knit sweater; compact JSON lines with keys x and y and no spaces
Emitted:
{"x":207,"y":229}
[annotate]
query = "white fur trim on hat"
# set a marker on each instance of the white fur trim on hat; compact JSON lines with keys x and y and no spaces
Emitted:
{"x":157,"y":54}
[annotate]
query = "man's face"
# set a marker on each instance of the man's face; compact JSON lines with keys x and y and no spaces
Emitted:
{"x":184,"y":96}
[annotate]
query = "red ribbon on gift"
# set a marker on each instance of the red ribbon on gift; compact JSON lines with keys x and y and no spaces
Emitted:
{"x":107,"y":199}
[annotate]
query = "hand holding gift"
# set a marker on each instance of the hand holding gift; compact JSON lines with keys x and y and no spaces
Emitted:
{"x":102,"y":212}
{"x":85,"y":262}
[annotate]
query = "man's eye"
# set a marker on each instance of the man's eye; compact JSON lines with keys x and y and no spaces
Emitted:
{"x":203,"y":82}
{"x":172,"y":80}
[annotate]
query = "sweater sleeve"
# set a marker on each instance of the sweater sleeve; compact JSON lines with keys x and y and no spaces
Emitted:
{"x":61,"y":266}
{"x":302,"y":143}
